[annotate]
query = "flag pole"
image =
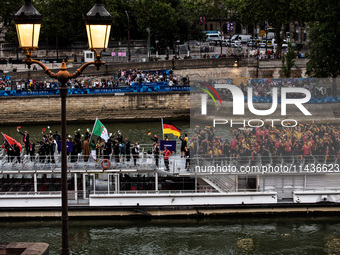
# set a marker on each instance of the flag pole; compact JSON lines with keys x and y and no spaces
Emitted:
{"x":93,"y":128}
{"x":162,"y":128}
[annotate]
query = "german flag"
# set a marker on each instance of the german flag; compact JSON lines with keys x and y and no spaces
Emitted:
{"x":169,"y":128}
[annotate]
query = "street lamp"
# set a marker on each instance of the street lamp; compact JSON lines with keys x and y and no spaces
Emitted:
{"x":28,"y":22}
{"x":128,"y":18}
{"x":156,"y":41}
{"x":98,"y":26}
{"x":149,"y":51}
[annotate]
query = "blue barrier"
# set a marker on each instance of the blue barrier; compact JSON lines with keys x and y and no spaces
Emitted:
{"x":81,"y":91}
{"x":145,"y":87}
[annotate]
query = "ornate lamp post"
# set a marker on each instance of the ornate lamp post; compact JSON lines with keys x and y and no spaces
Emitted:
{"x":98,"y":26}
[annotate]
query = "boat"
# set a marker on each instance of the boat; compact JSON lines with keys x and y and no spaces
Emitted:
{"x":31,"y":187}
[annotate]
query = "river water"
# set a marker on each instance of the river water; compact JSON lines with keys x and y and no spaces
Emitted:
{"x":273,"y":235}
{"x":135,"y":131}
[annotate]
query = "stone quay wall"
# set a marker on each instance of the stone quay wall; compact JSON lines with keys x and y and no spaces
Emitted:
{"x":141,"y":106}
{"x":196,"y":69}
{"x":83,"y":108}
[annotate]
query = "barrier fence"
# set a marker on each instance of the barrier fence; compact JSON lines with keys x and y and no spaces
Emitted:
{"x":157,"y":87}
{"x":146,"y":87}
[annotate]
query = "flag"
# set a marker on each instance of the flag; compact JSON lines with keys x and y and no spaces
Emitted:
{"x":100,"y":130}
{"x":18,"y":127}
{"x":149,"y":133}
{"x":11,"y":141}
{"x":44,"y":129}
{"x":169,"y":128}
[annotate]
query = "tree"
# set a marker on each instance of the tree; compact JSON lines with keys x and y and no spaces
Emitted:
{"x":324,"y":54}
{"x":62,"y":20}
{"x":279,"y":14}
{"x":7,"y":11}
{"x":220,"y":10}
{"x":188,"y":23}
{"x":158,"y":15}
{"x":288,"y":61}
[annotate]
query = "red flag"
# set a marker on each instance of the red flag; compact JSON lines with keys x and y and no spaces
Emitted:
{"x":11,"y":141}
{"x":44,"y":129}
{"x":18,"y":127}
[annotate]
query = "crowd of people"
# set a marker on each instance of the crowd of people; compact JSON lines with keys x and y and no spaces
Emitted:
{"x":118,"y":78}
{"x":117,"y":148}
{"x":304,"y":141}
{"x":264,"y":87}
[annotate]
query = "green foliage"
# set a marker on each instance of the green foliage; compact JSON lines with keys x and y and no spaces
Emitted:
{"x":288,"y":61}
{"x":7,"y":10}
{"x":279,"y":13}
{"x":168,"y":20}
{"x":62,"y":20}
{"x":158,"y":15}
{"x":324,"y":54}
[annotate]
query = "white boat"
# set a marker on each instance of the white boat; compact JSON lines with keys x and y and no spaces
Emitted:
{"x":208,"y":182}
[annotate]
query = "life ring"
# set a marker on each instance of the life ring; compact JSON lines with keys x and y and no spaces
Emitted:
{"x":105,"y":166}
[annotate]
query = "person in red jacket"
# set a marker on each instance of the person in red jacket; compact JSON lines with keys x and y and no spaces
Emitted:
{"x":166,"y":154}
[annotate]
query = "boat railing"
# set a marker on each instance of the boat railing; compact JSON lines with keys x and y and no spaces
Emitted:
{"x":31,"y":193}
{"x":146,"y":161}
{"x":171,"y":192}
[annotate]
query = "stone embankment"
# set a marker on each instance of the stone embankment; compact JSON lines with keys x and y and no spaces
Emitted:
{"x":83,"y":108}
{"x":143,"y":106}
{"x":196,"y":69}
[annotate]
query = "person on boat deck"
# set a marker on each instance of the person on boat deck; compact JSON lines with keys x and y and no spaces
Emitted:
{"x":187,"y":156}
{"x":116,"y":150}
{"x":6,"y":146}
{"x":135,"y":154}
{"x":52,"y":149}
{"x":156,"y":153}
{"x":26,"y":140}
{"x":184,"y":143}
{"x":86,"y":149}
{"x":166,"y":154}
{"x":98,"y":149}
{"x":155,"y":139}
{"x":93,"y":149}
{"x":127,"y":149}
{"x":16,"y":152}
{"x":32,"y":150}
{"x":122,"y":151}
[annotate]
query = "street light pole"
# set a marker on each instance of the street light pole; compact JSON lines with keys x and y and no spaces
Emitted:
{"x":156,"y":41}
{"x":149,"y":52}
{"x":257,"y":59}
{"x":129,"y":53}
{"x":64,"y":190}
{"x":98,"y":26}
{"x":257,"y":65}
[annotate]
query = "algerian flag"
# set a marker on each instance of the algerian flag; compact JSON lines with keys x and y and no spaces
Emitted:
{"x":100,"y":130}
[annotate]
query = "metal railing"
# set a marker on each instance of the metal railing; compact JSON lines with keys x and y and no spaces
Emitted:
{"x":197,"y":164}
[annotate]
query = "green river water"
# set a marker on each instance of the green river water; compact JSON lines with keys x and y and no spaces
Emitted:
{"x":135,"y":131}
{"x":273,"y":235}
